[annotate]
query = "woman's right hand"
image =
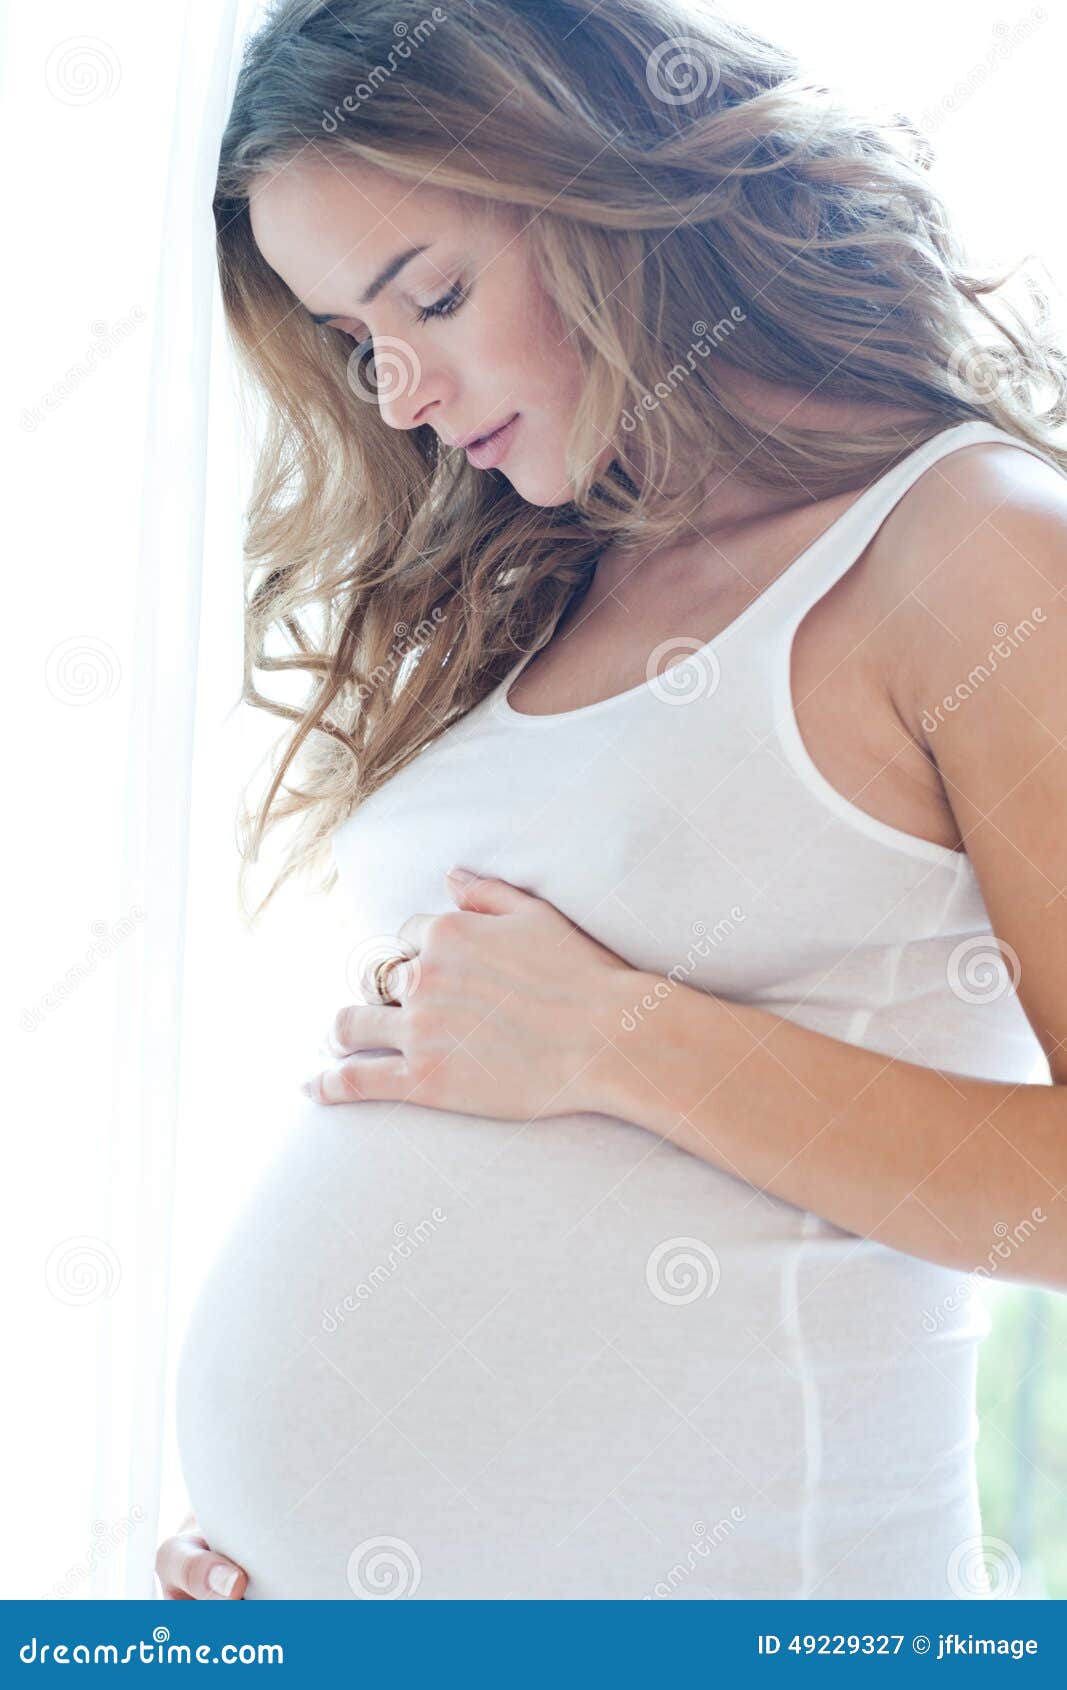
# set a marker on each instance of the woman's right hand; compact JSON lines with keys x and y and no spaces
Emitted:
{"x":190,"y":1571}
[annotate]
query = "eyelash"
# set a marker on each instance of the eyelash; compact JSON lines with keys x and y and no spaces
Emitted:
{"x":444,"y":307}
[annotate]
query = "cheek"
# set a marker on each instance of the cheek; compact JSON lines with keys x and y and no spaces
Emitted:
{"x":519,"y":352}
{"x":558,"y":378}
{"x":538,"y":366}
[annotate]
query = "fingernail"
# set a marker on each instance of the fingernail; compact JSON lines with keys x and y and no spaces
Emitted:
{"x":222,"y":1579}
{"x":308,"y":1088}
{"x":463,"y":875}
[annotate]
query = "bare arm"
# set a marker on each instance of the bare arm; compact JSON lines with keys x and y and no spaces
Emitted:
{"x":927,"y":1161}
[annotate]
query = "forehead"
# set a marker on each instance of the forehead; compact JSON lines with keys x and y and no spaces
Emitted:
{"x":327,"y":228}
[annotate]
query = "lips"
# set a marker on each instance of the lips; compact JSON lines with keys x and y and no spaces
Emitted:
{"x":488,"y":453}
{"x":479,"y":439}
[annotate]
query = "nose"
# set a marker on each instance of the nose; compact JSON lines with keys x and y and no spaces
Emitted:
{"x":409,"y":394}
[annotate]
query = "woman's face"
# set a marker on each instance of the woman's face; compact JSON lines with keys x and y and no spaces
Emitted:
{"x":464,"y":339}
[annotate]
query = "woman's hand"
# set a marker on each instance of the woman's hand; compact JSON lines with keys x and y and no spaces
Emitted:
{"x":189,"y":1571}
{"x":507,"y":1008}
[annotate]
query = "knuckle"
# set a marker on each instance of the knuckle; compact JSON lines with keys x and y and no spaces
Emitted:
{"x":421,"y":1022}
{"x":424,"y":972}
{"x":340,"y":1031}
{"x":170,"y":1556}
{"x":192,"y":1576}
{"x":445,"y":928}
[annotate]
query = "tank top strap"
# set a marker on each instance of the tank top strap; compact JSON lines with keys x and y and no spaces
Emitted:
{"x":838,"y":547}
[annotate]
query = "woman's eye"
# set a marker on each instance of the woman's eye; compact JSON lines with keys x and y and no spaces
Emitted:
{"x":445,"y":306}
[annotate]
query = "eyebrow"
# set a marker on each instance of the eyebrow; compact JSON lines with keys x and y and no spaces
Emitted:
{"x":381,"y":280}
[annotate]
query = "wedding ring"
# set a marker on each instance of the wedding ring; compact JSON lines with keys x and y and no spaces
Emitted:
{"x":380,"y":974}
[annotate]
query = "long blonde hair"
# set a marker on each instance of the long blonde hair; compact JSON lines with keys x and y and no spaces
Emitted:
{"x":694,"y":200}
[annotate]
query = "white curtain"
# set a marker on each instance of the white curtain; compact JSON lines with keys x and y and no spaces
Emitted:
{"x":113,"y":118}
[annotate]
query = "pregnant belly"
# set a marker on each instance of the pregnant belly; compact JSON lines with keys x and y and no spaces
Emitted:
{"x":444,"y":1356}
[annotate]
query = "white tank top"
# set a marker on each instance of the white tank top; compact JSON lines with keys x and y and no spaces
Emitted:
{"x":683,"y":824}
{"x":468,"y":1357}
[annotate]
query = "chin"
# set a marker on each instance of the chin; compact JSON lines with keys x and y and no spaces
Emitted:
{"x":540,"y":490}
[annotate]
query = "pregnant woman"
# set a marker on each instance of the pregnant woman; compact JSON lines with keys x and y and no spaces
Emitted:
{"x":673,"y":531}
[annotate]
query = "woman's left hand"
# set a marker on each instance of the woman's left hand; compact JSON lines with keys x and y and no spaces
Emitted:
{"x":507,"y":1009}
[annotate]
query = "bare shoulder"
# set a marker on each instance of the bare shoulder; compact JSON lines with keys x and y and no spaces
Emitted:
{"x":975,"y":624}
{"x":972,"y":560}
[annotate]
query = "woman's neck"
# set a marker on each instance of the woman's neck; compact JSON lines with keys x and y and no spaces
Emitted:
{"x":725,"y":502}
{"x":728,"y":507}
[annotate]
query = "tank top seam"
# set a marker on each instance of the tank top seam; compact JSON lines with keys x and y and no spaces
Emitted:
{"x":891,"y":1002}
{"x":810,"y":1397}
{"x":860,"y":1022}
{"x":861,"y":1018}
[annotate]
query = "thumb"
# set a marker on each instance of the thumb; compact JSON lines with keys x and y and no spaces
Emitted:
{"x":484,"y":894}
{"x":186,"y":1563}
